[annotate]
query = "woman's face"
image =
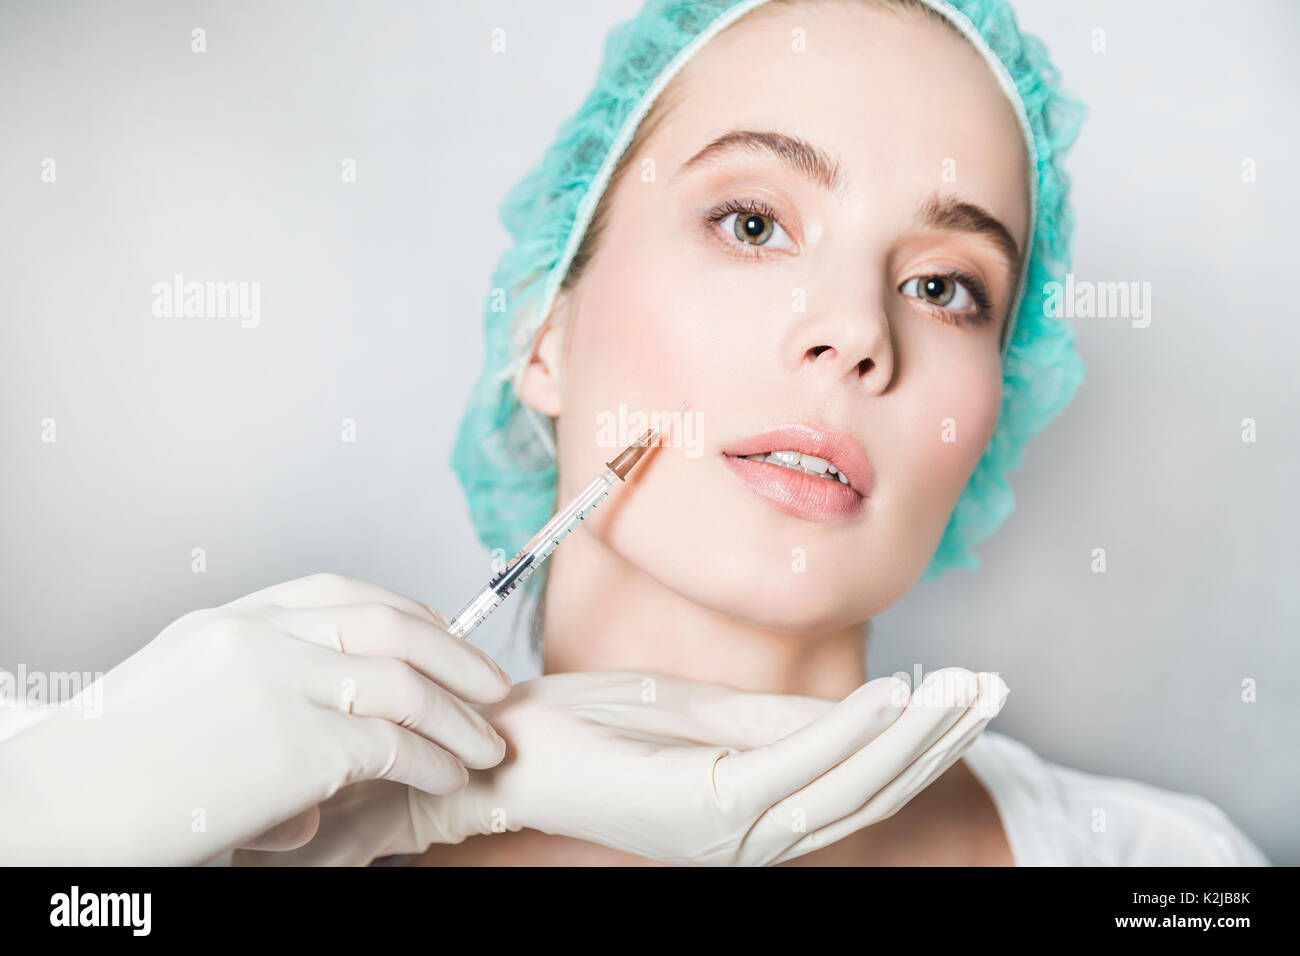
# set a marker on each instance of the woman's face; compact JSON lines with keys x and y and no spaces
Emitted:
{"x":770,"y":293}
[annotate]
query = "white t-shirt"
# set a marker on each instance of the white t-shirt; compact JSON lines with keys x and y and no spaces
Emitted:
{"x":1056,"y":816}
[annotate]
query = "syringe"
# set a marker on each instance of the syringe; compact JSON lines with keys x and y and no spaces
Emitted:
{"x":540,"y":546}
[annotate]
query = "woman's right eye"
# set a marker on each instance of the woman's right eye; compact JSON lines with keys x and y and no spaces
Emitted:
{"x":752,"y":224}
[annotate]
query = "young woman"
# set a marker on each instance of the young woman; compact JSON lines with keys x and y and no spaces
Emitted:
{"x":823,"y":223}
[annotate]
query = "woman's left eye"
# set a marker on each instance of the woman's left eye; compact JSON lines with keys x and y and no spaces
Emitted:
{"x":752,"y":224}
{"x":941,"y":290}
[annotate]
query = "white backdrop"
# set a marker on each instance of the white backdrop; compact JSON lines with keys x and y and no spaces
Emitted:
{"x":176,"y":434}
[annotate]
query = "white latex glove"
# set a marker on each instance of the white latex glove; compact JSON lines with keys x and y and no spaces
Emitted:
{"x":239,"y":720}
{"x":678,"y":771}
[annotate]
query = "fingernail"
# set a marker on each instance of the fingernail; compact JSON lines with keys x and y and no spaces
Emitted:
{"x":501,"y":676}
{"x":900,"y":694}
{"x":998,"y":692}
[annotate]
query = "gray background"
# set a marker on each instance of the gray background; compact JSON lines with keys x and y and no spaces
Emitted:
{"x":182,"y":433}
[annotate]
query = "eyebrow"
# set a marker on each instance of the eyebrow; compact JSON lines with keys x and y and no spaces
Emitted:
{"x":950,"y":214}
{"x":799,"y":155}
{"x":937,"y":211}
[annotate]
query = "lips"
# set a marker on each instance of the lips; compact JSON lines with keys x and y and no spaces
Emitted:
{"x":794,"y":492}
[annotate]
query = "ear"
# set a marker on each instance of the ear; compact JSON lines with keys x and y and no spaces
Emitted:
{"x":540,"y":383}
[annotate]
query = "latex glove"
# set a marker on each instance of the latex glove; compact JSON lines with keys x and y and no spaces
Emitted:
{"x":357,"y":826}
{"x":240,"y":720}
{"x":679,"y":771}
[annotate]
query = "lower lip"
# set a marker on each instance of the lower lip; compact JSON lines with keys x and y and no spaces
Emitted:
{"x":798,"y":493}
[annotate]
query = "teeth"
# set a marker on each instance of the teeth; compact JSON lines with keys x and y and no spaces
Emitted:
{"x":812,"y":463}
{"x":809,"y":464}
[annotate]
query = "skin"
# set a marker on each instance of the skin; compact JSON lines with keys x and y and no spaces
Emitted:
{"x":686,"y":571}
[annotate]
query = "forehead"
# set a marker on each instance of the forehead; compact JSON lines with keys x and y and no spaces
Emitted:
{"x":903,"y":102}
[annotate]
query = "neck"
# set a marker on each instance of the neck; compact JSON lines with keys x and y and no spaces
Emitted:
{"x":603,"y":613}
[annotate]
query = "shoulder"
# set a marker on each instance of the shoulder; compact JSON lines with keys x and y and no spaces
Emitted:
{"x":1058,"y":816}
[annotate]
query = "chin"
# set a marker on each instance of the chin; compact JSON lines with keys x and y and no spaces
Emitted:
{"x":760,"y":588}
{"x":737,"y":556}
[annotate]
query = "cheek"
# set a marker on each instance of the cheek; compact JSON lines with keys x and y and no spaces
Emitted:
{"x":626,"y":349}
{"x":951,"y":411}
{"x":647,"y":337}
{"x":963,"y":405}
{"x":640,"y":343}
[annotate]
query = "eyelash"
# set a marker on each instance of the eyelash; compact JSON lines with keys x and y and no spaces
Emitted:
{"x":742,"y":207}
{"x":974,"y":286}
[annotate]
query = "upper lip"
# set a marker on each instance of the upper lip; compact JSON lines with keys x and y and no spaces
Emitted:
{"x":840,"y":449}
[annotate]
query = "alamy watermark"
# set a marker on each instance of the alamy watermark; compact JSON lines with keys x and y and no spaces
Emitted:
{"x":179,"y":299}
{"x":1082,"y":299}
{"x":679,"y":429}
{"x":38,"y":689}
{"x":77,"y":908}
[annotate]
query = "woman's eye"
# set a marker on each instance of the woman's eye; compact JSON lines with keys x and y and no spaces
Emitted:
{"x":753,"y":227}
{"x":943,"y":291}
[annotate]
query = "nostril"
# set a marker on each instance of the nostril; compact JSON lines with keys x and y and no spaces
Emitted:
{"x":865,"y":366}
{"x":818,"y":350}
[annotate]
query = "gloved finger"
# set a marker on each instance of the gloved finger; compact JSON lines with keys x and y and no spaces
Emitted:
{"x":944,"y":753}
{"x":375,"y":748}
{"x":289,"y":835}
{"x":897,"y":794}
{"x":390,"y":689}
{"x":947,"y":699}
{"x":359,"y":824}
{"x":762,"y":777}
{"x":332,"y":590}
{"x":900,"y":791}
{"x":380,"y":630}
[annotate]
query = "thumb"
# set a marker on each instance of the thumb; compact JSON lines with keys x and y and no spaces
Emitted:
{"x":770,"y":773}
{"x":289,"y":835}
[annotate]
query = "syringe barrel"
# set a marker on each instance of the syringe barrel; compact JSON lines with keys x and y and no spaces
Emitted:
{"x":538,"y":549}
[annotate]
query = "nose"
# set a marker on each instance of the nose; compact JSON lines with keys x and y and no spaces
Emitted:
{"x":856,"y":345}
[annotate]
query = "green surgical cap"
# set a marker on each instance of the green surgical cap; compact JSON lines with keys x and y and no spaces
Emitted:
{"x":505,"y":452}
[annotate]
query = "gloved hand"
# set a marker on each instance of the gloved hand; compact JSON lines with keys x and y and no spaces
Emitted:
{"x":239,"y":720}
{"x":678,"y":771}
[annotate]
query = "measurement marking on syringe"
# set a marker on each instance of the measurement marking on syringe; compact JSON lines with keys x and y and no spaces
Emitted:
{"x":529,"y":557}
